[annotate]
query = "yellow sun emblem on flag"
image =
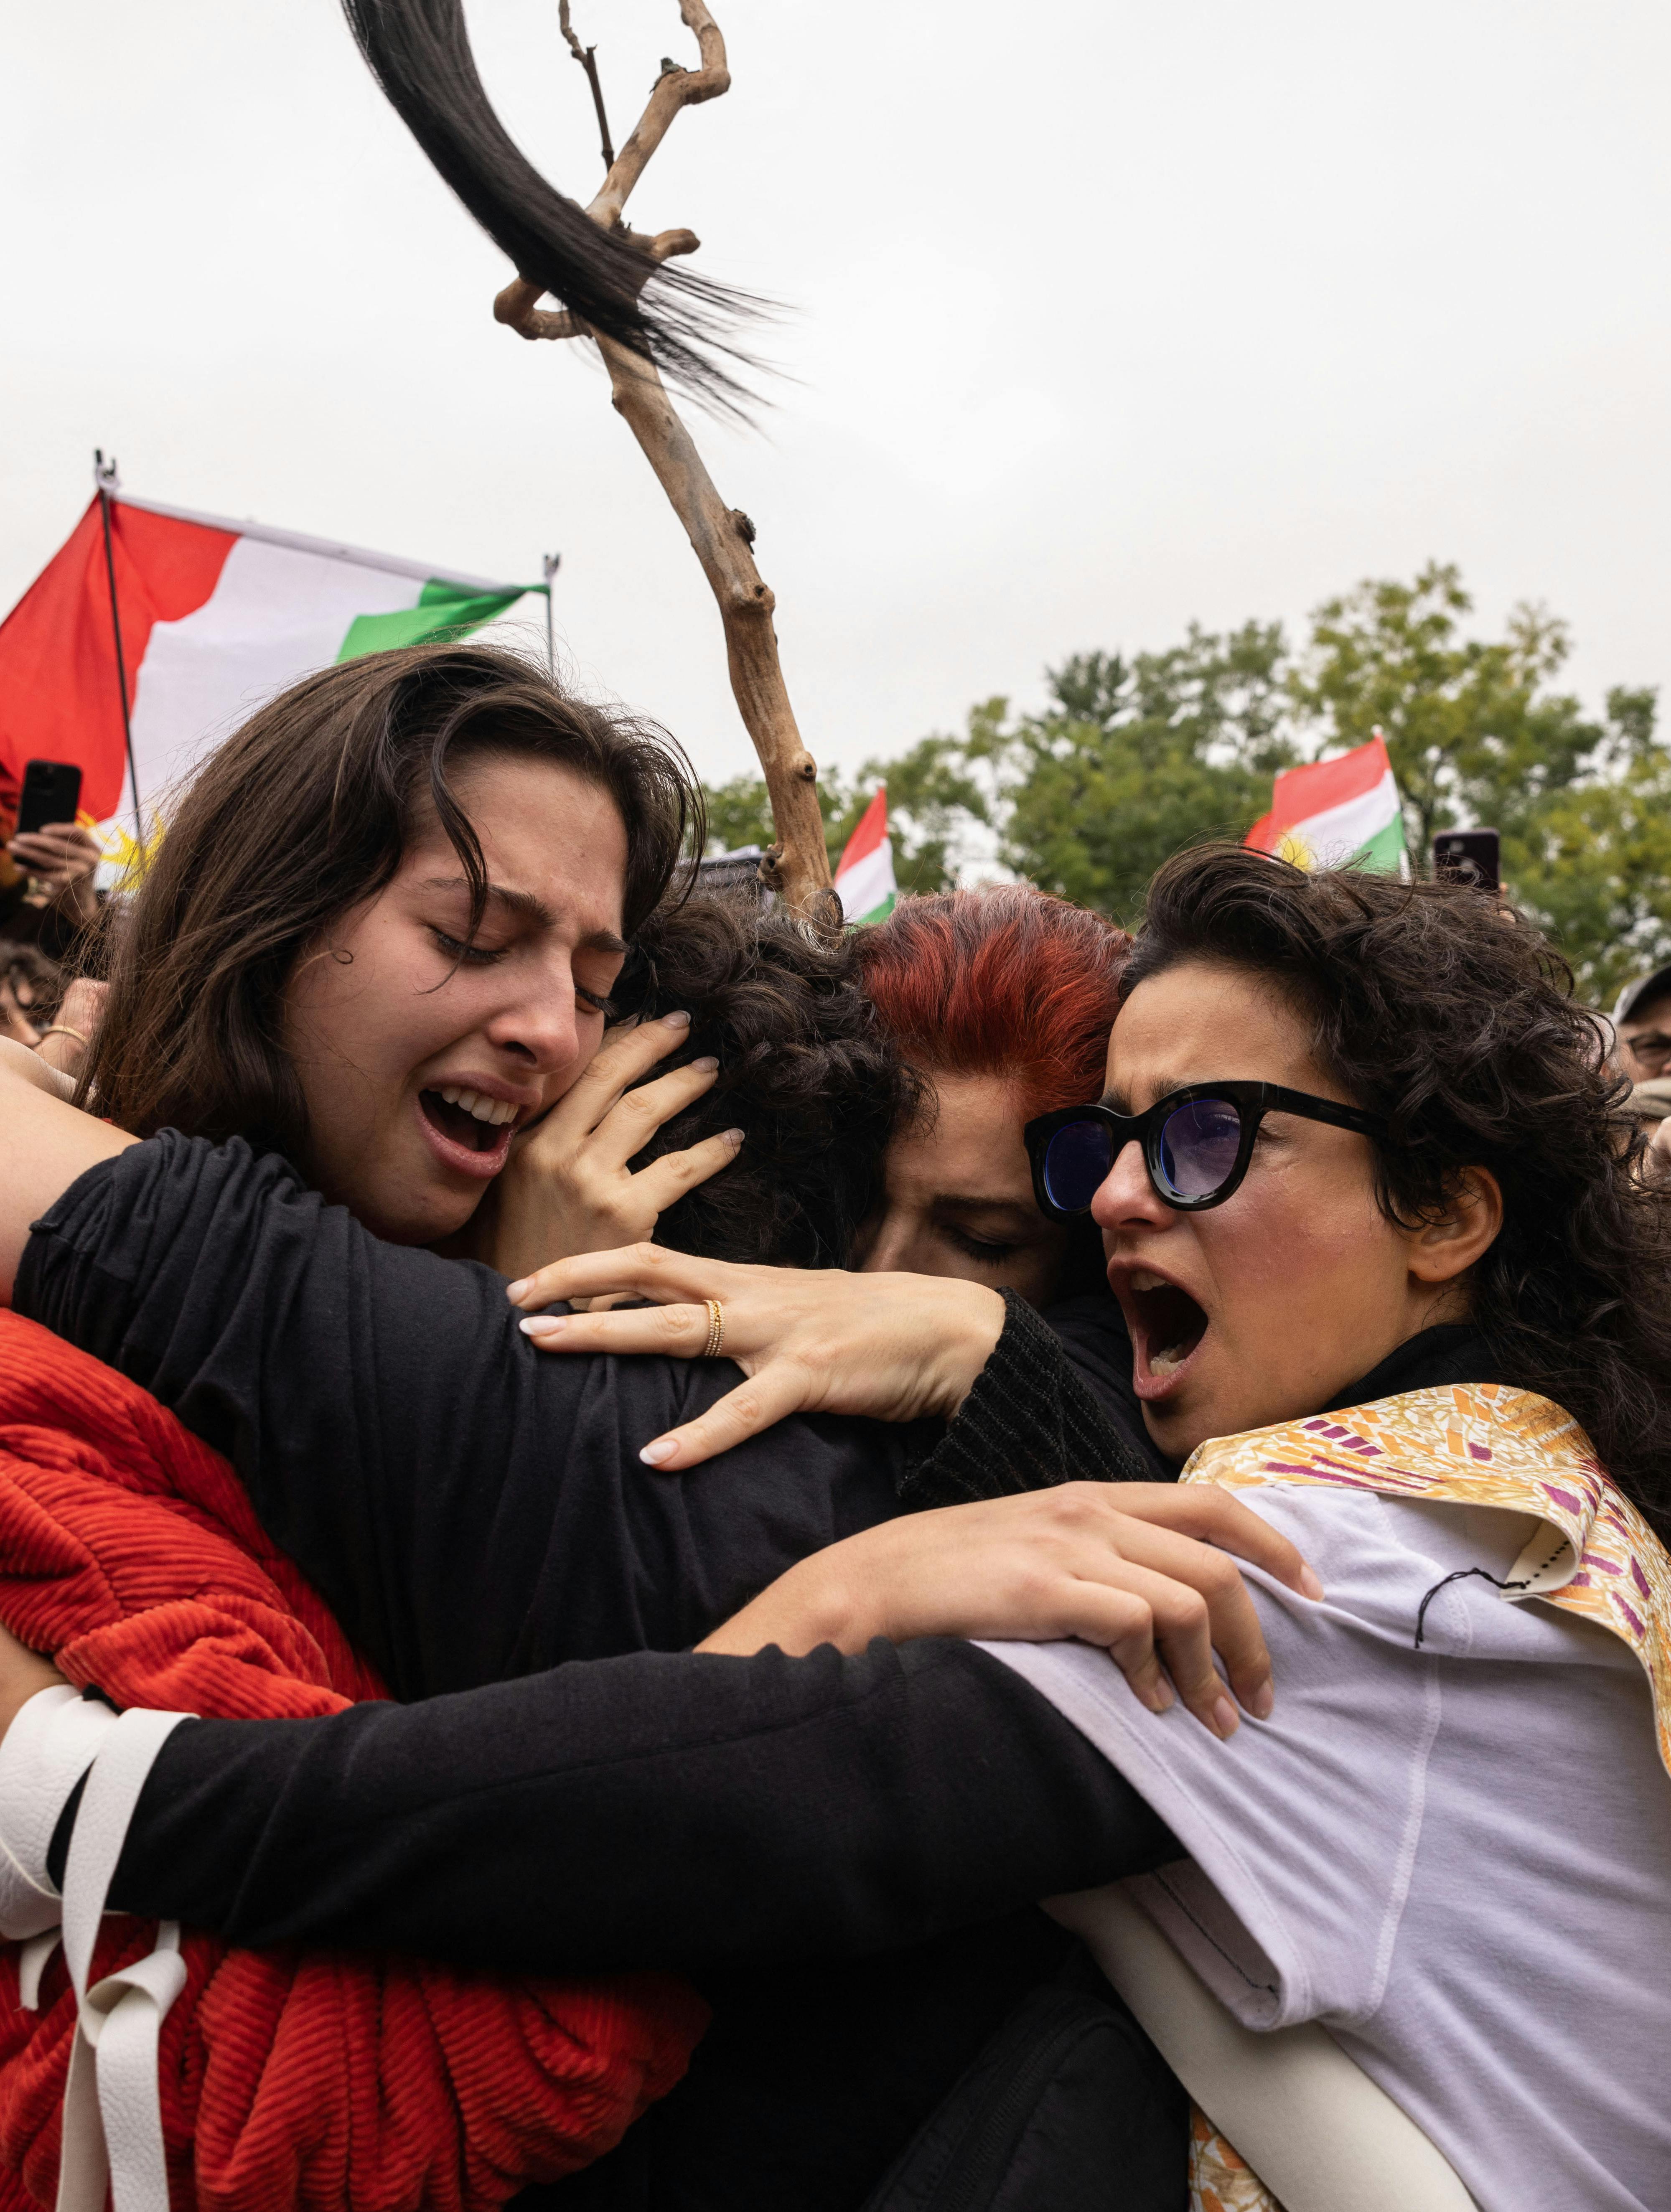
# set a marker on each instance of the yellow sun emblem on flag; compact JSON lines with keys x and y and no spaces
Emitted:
{"x":1296,"y":851}
{"x":124,"y":852}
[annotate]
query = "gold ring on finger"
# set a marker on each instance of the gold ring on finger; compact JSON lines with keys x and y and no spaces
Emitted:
{"x":716,"y":1329}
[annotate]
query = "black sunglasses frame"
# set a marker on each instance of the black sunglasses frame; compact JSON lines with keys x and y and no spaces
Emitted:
{"x":1252,"y":1102}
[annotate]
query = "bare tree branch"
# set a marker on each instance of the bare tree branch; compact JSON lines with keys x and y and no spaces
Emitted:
{"x":587,"y":59}
{"x":674,"y":89}
{"x":797,"y":866}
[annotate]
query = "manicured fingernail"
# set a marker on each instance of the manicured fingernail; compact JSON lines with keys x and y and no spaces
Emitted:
{"x":543,"y":1325}
{"x":733,"y":1138}
{"x":659,"y":1454}
{"x":676,"y":1021}
{"x":707,"y":1063}
{"x":1262,"y":1704}
{"x":1309,"y":1584}
{"x":1225,"y":1721}
{"x":514,"y":1290}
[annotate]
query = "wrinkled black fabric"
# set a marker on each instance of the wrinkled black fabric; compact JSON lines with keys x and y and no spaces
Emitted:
{"x":472,"y":1509}
{"x":468,"y":1508}
{"x":1030,"y":1422}
{"x":1454,"y":1352}
{"x":1068,"y":2105}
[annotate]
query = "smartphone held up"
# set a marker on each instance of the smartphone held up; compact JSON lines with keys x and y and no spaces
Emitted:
{"x":51,"y":793}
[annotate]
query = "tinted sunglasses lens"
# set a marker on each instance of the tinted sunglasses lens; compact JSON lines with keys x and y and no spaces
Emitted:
{"x":1198,"y":1147}
{"x":1076,"y":1161}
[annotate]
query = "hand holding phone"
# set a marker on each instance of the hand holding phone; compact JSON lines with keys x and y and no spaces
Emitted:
{"x":57,"y":856}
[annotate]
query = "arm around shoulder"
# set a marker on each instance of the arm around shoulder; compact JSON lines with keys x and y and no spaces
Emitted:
{"x":45,"y":1143}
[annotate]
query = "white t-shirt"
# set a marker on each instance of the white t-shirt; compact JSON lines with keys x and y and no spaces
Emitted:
{"x":1457,"y":1858}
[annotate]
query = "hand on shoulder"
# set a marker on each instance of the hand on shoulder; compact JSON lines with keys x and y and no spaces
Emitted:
{"x":896,"y":1347}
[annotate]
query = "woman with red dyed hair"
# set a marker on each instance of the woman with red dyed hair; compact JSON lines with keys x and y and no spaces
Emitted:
{"x":1000,"y":1001}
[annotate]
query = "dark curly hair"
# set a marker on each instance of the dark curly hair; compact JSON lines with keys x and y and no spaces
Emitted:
{"x":804,"y":1070}
{"x":1429,"y":1006}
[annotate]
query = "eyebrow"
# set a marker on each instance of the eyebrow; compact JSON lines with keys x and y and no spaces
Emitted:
{"x":527,"y":908}
{"x":970,"y":1202}
{"x":1118,"y":1102}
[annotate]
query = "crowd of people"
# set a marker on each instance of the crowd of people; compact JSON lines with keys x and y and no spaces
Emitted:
{"x":632,"y":1487}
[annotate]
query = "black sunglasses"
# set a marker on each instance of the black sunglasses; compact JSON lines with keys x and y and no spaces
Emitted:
{"x":1196,"y":1143}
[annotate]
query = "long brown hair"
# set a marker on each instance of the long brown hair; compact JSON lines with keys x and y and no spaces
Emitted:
{"x":302,"y":814}
{"x":1460,"y":1027}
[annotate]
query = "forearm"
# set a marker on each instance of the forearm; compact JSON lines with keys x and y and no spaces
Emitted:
{"x":653,"y":1810}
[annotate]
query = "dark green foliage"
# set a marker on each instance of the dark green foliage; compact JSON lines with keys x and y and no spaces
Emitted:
{"x":1132,"y":759}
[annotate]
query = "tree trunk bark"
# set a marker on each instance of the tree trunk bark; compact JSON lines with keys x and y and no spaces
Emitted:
{"x":798,"y":866}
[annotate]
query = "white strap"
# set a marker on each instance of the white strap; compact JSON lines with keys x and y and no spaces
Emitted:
{"x":32,"y":1960}
{"x":1320,"y":2134}
{"x":112,"y":2111}
{"x":52,"y":1742}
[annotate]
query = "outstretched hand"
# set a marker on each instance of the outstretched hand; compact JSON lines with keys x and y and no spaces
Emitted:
{"x":899,"y":1347}
{"x":1143,"y":1569}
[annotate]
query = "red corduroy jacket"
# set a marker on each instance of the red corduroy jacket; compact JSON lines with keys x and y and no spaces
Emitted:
{"x":329,"y":2082}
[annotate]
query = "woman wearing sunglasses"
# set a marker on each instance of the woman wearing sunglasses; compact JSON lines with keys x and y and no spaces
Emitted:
{"x":1369,"y":1205}
{"x":1385,"y":1259}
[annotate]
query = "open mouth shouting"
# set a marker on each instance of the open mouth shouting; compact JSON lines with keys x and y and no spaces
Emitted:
{"x":469,"y":1130}
{"x":1167,"y":1329}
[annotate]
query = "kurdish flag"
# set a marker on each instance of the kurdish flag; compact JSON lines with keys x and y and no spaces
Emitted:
{"x":864,"y":874}
{"x":216,"y":617}
{"x":1337,"y":814}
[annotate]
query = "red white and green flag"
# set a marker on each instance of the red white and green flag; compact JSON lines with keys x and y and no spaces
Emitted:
{"x":216,"y":617}
{"x":1337,"y":814}
{"x":864,"y":874}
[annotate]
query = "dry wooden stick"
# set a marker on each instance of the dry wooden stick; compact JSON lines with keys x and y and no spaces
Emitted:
{"x":587,"y":59}
{"x":797,"y":866}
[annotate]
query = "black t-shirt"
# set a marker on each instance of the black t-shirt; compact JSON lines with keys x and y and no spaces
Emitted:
{"x":470,"y":1508}
{"x":473,"y":1510}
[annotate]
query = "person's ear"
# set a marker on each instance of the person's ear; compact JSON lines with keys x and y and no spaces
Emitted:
{"x":1449,"y":1245}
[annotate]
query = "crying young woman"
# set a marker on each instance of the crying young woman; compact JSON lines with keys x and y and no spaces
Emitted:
{"x":383,"y":939}
{"x":1365,"y":1194}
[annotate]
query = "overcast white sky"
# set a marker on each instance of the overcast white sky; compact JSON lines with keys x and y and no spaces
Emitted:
{"x":1107,"y":316}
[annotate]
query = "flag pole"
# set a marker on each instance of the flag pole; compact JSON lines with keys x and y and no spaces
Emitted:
{"x":104,"y":477}
{"x":551,"y":562}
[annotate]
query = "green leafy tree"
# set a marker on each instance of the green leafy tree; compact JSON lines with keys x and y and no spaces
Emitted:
{"x":1472,"y":731}
{"x":936,"y":806}
{"x":1591,"y":861}
{"x":739,"y":813}
{"x":1477,"y":734}
{"x":1134,"y":760}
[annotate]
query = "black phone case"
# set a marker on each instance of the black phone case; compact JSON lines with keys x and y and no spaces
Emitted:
{"x":51,"y":793}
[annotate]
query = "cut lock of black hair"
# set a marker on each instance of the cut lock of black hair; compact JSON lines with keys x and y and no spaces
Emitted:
{"x":805,"y":1071}
{"x":419,"y":51}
